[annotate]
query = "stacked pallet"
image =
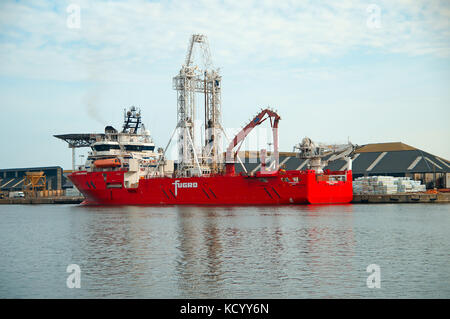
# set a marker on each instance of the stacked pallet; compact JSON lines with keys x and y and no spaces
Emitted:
{"x":407,"y":185}
{"x":381,"y":185}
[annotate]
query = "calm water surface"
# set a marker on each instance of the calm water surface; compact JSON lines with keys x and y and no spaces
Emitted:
{"x":226,"y":252}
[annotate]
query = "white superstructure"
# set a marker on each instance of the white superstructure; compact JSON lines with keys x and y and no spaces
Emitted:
{"x":131,"y":149}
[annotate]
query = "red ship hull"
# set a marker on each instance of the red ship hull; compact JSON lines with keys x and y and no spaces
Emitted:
{"x":279,"y":188}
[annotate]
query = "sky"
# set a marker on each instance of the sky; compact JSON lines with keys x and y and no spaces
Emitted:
{"x":365,"y":71}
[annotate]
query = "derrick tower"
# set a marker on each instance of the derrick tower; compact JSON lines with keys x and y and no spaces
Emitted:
{"x":198,"y":87}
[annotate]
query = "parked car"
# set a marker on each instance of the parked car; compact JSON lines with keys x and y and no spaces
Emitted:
{"x":16,"y":195}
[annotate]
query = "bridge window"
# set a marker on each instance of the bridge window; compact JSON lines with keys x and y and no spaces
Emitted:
{"x":139,"y":148}
{"x":106,"y":147}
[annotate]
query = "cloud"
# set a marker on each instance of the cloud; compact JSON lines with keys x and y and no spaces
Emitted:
{"x":135,"y":36}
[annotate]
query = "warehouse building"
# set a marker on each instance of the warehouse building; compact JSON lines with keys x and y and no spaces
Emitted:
{"x":401,"y":160}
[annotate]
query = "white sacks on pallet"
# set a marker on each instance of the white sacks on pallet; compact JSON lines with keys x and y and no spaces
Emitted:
{"x":381,"y":185}
{"x":407,"y":185}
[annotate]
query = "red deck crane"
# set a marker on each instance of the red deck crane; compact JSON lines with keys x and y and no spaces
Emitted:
{"x":257,"y":120}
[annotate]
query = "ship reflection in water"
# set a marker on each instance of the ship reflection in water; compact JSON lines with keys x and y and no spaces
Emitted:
{"x":262,"y":252}
{"x":225,"y":252}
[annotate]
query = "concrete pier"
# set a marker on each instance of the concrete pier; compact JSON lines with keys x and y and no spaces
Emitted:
{"x":402,"y":198}
{"x":43,"y":200}
{"x":357,"y":199}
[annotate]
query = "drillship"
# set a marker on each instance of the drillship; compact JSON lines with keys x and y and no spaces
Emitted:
{"x":124,"y":168}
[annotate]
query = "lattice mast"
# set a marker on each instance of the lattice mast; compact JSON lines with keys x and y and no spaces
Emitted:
{"x":198,"y":84}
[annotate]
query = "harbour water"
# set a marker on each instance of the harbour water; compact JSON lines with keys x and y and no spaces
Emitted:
{"x":225,"y":252}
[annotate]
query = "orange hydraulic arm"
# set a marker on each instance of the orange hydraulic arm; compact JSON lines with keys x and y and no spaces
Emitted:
{"x":257,"y":120}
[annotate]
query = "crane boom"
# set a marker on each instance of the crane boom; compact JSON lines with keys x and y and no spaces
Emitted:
{"x":202,"y":41}
{"x":257,"y":120}
{"x":316,"y":152}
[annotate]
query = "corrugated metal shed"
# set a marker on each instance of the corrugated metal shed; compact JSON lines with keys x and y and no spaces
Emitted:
{"x":396,"y":158}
